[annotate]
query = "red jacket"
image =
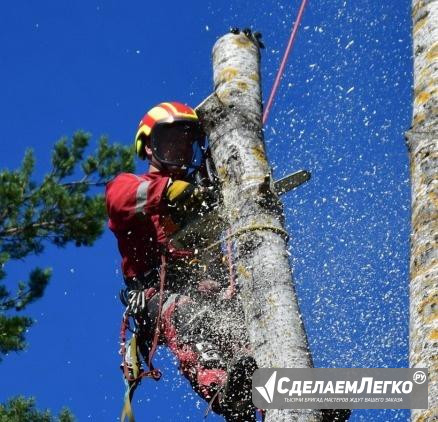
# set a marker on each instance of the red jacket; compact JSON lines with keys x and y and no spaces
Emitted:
{"x":137,"y":216}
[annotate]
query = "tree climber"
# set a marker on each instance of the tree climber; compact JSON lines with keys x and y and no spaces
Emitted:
{"x":170,"y":301}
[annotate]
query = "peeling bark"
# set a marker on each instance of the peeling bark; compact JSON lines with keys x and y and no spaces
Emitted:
{"x":232,"y":119}
{"x":423,"y":150}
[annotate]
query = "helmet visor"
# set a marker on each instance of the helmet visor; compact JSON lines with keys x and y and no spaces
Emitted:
{"x":177,"y":143}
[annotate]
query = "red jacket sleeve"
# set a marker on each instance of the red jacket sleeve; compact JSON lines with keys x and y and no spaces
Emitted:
{"x":129,"y":197}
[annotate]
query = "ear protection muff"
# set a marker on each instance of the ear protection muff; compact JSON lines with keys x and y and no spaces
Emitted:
{"x":140,"y":144}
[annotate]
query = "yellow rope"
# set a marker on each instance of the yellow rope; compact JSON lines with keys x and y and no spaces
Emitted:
{"x":254,"y":227}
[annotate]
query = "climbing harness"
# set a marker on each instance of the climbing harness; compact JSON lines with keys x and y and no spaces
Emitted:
{"x":131,"y":364}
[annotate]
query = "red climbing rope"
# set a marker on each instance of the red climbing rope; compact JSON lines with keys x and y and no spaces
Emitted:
{"x":160,"y":309}
{"x":284,"y":60}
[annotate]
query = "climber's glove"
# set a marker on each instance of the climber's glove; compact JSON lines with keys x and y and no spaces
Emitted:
{"x":183,"y":196}
{"x":178,"y":191}
{"x":186,"y":201}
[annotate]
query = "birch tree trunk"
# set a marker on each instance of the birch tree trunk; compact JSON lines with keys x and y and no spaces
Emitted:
{"x":232,"y":119}
{"x":423,"y":149}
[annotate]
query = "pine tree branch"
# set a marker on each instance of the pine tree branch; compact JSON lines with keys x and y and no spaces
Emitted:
{"x":18,"y":230}
{"x":59,"y":209}
{"x":7,"y":304}
{"x":80,"y":182}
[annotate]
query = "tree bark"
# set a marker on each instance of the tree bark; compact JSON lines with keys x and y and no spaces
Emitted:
{"x":423,"y":150}
{"x":232,"y":119}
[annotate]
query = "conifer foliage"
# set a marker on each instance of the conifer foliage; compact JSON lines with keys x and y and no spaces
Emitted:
{"x":67,"y":206}
{"x":20,"y":409}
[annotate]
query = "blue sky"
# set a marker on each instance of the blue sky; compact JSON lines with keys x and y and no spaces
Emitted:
{"x":341,"y":111}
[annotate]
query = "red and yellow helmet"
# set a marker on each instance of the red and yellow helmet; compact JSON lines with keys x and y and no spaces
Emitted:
{"x":161,"y":117}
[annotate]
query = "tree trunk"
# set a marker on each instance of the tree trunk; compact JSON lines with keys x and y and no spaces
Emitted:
{"x":232,"y":119}
{"x":423,"y":149}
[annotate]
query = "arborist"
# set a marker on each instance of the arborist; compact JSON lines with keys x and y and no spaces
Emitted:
{"x":167,"y":298}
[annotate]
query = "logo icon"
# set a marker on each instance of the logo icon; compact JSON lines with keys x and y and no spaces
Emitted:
{"x":419,"y":377}
{"x":267,"y":392}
